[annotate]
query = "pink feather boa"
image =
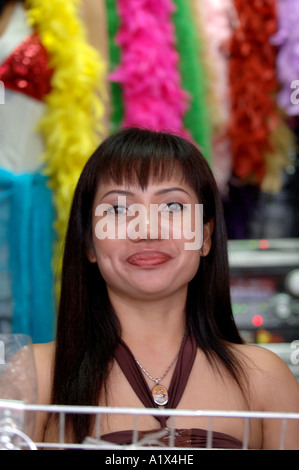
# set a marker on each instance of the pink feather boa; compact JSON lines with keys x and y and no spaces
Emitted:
{"x":148,"y":72}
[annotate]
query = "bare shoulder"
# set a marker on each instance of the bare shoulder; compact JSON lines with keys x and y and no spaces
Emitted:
{"x":262,"y":361}
{"x":273,"y":388}
{"x":44,"y":354}
{"x":44,"y":359}
{"x":44,"y":351}
{"x":261,"y":356}
{"x":275,"y":385}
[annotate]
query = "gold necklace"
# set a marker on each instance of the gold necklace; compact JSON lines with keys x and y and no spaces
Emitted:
{"x":159,"y":392}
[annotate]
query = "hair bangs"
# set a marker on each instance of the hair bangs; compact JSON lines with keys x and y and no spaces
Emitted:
{"x":136,"y":161}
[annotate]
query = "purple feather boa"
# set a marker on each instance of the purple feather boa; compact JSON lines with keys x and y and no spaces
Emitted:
{"x":287,"y":40}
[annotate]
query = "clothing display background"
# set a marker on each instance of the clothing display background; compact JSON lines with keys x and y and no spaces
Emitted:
{"x":50,"y":123}
{"x":222,"y":73}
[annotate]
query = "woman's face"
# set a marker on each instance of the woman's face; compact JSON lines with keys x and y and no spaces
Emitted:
{"x":147,"y":243}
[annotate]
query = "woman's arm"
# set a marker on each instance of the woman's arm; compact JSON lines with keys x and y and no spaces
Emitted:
{"x":43,"y":355}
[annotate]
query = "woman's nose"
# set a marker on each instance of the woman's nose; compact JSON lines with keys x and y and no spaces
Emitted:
{"x":144,"y":224}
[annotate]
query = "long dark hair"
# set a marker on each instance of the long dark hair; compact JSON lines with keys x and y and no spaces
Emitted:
{"x":88,"y":329}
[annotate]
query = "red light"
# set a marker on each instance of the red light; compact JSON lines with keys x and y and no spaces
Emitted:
{"x":257,"y":320}
{"x":264,"y":244}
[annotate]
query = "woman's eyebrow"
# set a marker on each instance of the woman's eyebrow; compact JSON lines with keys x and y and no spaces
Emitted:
{"x":159,"y":192}
{"x":119,"y":191}
{"x":168,"y":190}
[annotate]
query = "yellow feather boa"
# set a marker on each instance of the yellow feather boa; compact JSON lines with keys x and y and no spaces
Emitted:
{"x":72,"y":125}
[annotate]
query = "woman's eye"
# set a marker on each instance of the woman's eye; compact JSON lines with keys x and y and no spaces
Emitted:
{"x":116,"y":209}
{"x":174,"y":207}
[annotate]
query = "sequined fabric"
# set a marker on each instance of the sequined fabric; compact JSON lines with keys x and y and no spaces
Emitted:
{"x":26,"y":70}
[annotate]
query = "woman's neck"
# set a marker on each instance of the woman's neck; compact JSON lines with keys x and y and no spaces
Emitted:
{"x":152,"y":323}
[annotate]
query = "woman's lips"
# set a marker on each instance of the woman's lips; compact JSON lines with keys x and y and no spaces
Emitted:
{"x":148,"y":259}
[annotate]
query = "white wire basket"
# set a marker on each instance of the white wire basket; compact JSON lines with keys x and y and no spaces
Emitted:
{"x":13,"y":437}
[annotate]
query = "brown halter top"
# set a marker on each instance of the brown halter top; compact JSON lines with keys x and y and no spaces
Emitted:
{"x":183,"y":437}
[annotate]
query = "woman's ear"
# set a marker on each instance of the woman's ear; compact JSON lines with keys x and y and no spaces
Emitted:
{"x":91,"y":255}
{"x":90,"y":252}
{"x":208,"y":229}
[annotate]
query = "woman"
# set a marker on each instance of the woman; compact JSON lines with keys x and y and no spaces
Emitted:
{"x":132,"y":291}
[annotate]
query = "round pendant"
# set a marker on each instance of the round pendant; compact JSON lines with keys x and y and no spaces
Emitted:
{"x":160,"y":395}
